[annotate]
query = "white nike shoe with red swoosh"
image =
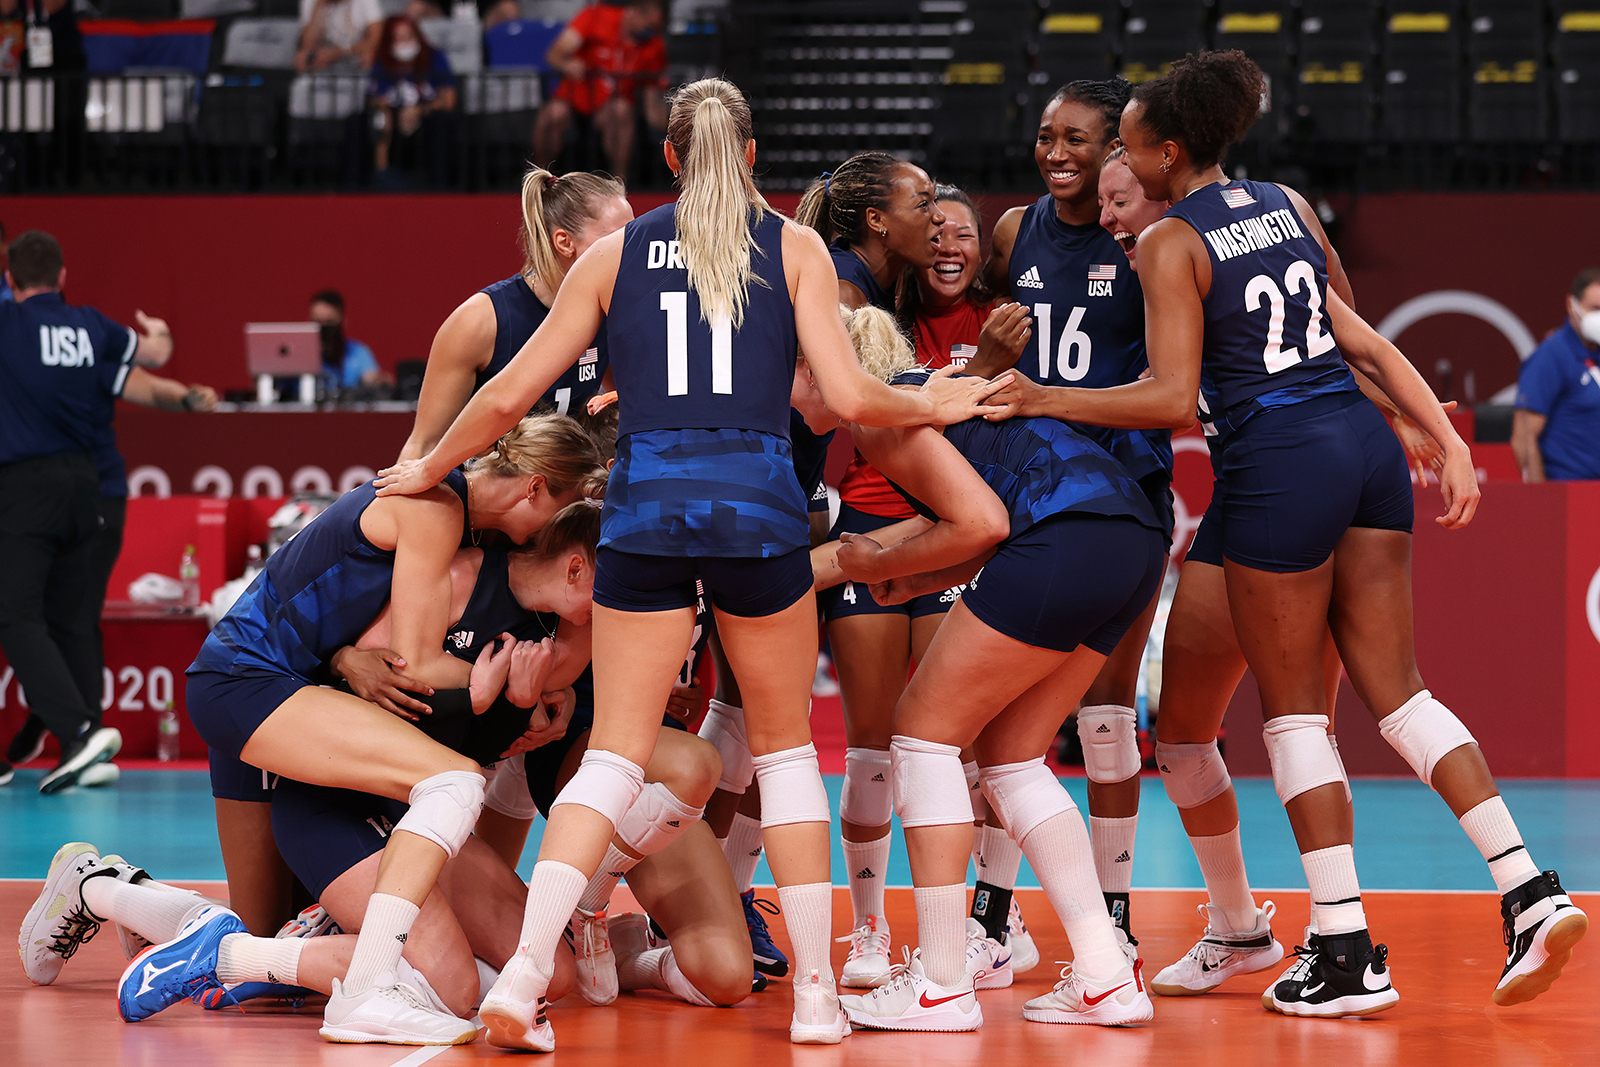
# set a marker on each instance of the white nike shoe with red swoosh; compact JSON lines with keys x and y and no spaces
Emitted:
{"x":912,"y":1001}
{"x":1079,"y":998}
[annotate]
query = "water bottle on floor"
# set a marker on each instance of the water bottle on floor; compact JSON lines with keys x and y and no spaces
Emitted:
{"x":167,"y":736}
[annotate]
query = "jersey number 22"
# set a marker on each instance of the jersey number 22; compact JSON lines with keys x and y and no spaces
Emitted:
{"x":1262,"y":287}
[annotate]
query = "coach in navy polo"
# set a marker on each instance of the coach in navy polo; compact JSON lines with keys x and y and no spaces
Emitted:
{"x":61,"y":369}
{"x":1555,"y":432}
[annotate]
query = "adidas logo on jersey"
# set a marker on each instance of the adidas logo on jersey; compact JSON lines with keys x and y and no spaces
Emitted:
{"x":1030,"y":279}
{"x":461,"y":638}
{"x":1124,"y":858}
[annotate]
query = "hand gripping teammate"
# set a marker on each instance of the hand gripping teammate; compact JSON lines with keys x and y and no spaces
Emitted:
{"x":705,"y":302}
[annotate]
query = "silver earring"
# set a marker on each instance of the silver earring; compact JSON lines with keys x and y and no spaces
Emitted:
{"x":883,"y":233}
{"x":1165,"y":166}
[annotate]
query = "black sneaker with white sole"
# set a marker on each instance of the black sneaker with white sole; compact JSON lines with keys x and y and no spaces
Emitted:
{"x":79,"y":754}
{"x":28,"y":743}
{"x":1541,"y":927}
{"x":7,"y":772}
{"x":1345,"y":974}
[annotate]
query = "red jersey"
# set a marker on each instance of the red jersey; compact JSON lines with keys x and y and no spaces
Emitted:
{"x":616,"y":62}
{"x":944,"y":336}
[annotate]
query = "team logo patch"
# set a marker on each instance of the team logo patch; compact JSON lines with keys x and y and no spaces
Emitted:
{"x":462,"y":638}
{"x":1030,"y":279}
{"x":590,"y":355}
{"x":1237,"y":198}
{"x":1103,"y":272}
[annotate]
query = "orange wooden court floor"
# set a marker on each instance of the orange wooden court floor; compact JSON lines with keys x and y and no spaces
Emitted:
{"x":1445,"y":950}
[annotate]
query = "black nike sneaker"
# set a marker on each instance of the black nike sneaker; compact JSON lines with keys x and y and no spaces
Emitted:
{"x":1345,"y":974}
{"x":28,"y":744}
{"x":1541,"y":927}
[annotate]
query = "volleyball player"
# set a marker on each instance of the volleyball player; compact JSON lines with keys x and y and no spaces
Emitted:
{"x":1028,"y":500}
{"x":1316,"y":508}
{"x":707,"y":300}
{"x":561,"y":217}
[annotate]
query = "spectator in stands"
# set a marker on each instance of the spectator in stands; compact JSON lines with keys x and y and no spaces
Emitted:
{"x":337,"y":34}
{"x":421,"y":10}
{"x":493,"y":12}
{"x":1555,"y":432}
{"x":413,"y":93}
{"x":346,"y":362}
{"x":613,"y":64}
{"x":52,"y":44}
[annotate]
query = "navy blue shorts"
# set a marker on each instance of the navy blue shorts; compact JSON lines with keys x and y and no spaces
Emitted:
{"x":1294,"y":479}
{"x":852,"y":598}
{"x":1207,"y":544}
{"x":1070,"y":580}
{"x":747,"y":586}
{"x":323,"y":832}
{"x":234,"y":779}
{"x":227,"y":709}
{"x":1158,"y":490}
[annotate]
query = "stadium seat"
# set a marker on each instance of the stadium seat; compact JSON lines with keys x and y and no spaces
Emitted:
{"x":1576,"y":50}
{"x":210,"y":9}
{"x":460,"y":40}
{"x":1259,"y":29}
{"x":1348,"y":22}
{"x":521,"y":43}
{"x":1421,"y":93}
{"x":1508,"y":86}
{"x":261,"y":44}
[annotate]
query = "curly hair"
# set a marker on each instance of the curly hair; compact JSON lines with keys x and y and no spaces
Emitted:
{"x":1207,"y":104}
{"x":836,"y":205}
{"x":1109,"y":97}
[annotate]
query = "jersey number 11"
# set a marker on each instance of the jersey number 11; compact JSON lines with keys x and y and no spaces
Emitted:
{"x":676,"y":305}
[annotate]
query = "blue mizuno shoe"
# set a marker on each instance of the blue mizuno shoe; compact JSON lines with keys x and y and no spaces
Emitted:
{"x":214,"y":998}
{"x":183,"y":968}
{"x":769,"y":958}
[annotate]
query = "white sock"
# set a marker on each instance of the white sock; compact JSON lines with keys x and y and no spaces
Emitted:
{"x":154,"y":914}
{"x":597,"y":894}
{"x":808,"y":916}
{"x":383,"y":937}
{"x":866,"y":862}
{"x":1002,"y":858}
{"x":658,"y":969}
{"x":942,"y":931}
{"x":242,"y":958}
{"x":1113,"y":852}
{"x":743,"y":849}
{"x":553,"y":892}
{"x":1335,"y":891}
{"x":1062,"y":857}
{"x":1491,"y":828}
{"x":1222,"y":865}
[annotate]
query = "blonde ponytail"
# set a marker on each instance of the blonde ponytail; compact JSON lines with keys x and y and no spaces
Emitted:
{"x":709,"y":127}
{"x":558,"y":202}
{"x":880,"y":346}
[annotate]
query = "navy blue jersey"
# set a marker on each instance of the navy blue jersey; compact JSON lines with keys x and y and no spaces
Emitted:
{"x":1088,"y":322}
{"x":316,"y":594}
{"x":1041,"y":467}
{"x":810,"y":460}
{"x":704,"y":462}
{"x":1268,"y":342}
{"x":61,"y":370}
{"x":853,"y":269}
{"x":517,"y":314}
{"x":493,"y":610}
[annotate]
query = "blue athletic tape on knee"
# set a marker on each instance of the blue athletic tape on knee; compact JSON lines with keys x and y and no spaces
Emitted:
{"x":444,"y":809}
{"x":656,"y":819}
{"x":1026,"y":795}
{"x":930,"y":788}
{"x":868,"y":796}
{"x":1192,"y":774}
{"x":1110,"y":736}
{"x":791,"y":787}
{"x":724,"y":728}
{"x":606,"y":783}
{"x":1301,"y":758}
{"x":1424,"y":731}
{"x":508,"y":791}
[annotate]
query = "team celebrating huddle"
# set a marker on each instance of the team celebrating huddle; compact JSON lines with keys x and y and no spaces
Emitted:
{"x":510,"y":619}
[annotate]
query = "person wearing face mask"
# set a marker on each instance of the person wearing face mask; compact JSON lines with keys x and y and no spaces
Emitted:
{"x":346,"y":362}
{"x":1556,"y":429}
{"x":413,"y":94}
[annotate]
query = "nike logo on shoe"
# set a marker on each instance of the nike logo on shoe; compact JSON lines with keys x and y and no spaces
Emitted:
{"x":1311,"y":989}
{"x":1090,"y":1002}
{"x":1369,"y":976}
{"x":151,"y":971}
{"x":926,"y":1003}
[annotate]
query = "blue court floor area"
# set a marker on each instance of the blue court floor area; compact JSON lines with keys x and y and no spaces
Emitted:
{"x":1406,"y":837}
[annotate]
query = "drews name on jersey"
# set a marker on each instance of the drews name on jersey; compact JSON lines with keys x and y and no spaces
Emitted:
{"x":1254,"y":233}
{"x":664,"y":254}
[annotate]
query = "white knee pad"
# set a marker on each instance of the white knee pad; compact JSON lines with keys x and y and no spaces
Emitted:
{"x":868,"y":797}
{"x":1110,"y":736}
{"x":1025,"y":795}
{"x":508,"y":790}
{"x":930,"y":789}
{"x":791,"y":787}
{"x":724,"y":728}
{"x":1424,"y":731}
{"x":606,"y":783}
{"x":1192,"y":774}
{"x":444,"y":809}
{"x":1333,"y":743}
{"x":1301,"y":758}
{"x":980,"y":810}
{"x":656,"y":819}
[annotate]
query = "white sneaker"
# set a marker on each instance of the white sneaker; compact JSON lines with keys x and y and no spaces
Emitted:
{"x":824,"y":685}
{"x":101,"y":774}
{"x":591,"y":949}
{"x":514,"y":1010}
{"x":911,"y":1001}
{"x":390,"y":1013}
{"x":313,"y":921}
{"x":988,"y":961}
{"x":132,"y":943}
{"x":1129,"y":947}
{"x":1541,"y":927}
{"x":631,"y":937}
{"x":1024,"y":953}
{"x":1219,"y":955}
{"x":819,"y":1018}
{"x":59,"y":921}
{"x":868,"y":965}
{"x":1077,"y":998}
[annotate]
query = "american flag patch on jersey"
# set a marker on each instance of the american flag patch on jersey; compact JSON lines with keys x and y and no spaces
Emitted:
{"x":1237,"y":198}
{"x":1103,"y":272}
{"x":590,"y":355}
